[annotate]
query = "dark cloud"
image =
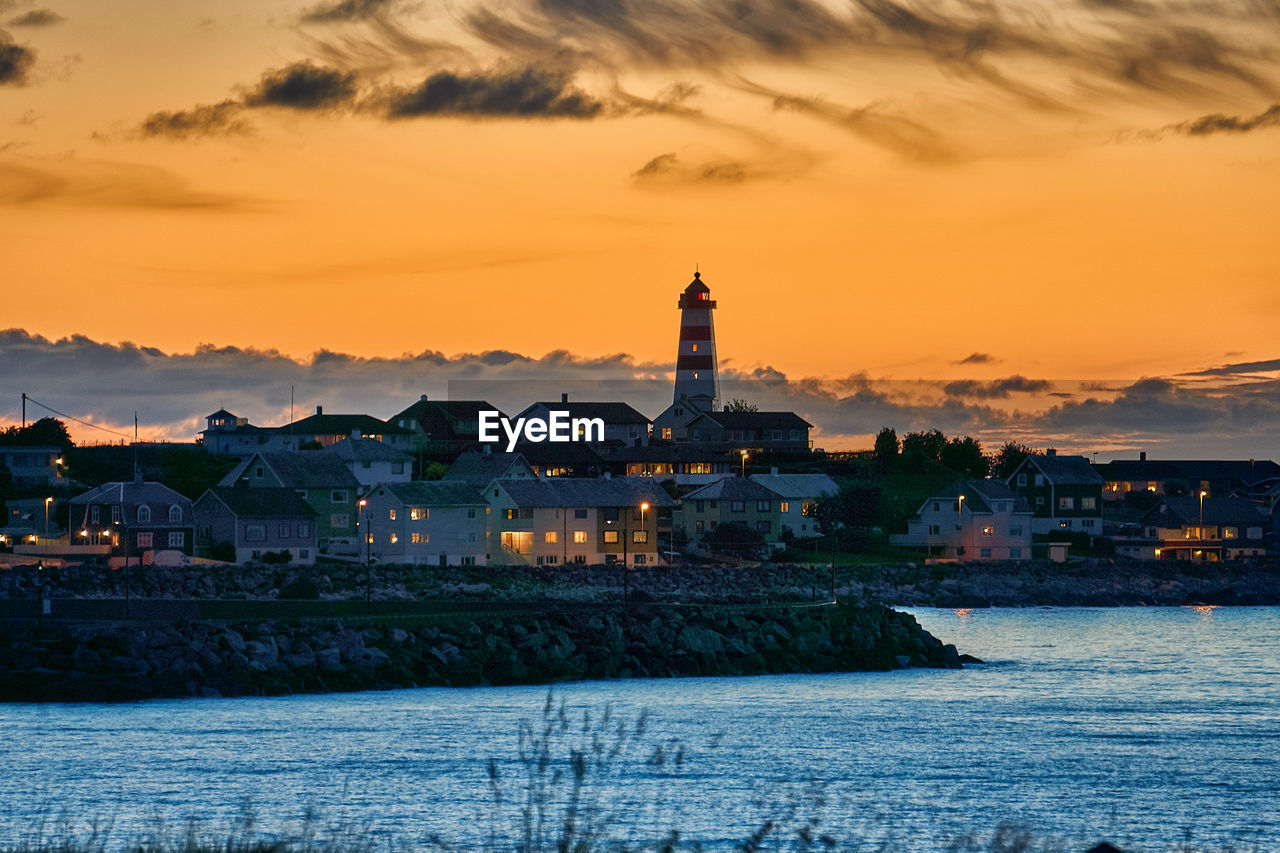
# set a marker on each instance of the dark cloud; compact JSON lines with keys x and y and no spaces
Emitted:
{"x":521,"y":93}
{"x":1219,"y":123}
{"x":37,"y":18}
{"x":977,"y":358}
{"x":303,"y":86}
{"x":997,"y":388}
{"x":203,"y":120}
{"x":1239,"y":368}
{"x":346,"y":10}
{"x":15,"y":61}
{"x":669,"y":168}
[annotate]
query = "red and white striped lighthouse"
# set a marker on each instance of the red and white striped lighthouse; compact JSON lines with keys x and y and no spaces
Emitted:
{"x":696,"y":356}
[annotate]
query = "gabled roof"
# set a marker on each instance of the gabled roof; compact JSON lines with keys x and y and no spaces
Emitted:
{"x":459,"y":412}
{"x":759,"y":420}
{"x":1242,"y":470}
{"x":342,"y":425}
{"x":585,"y":492}
{"x":366,"y":450}
{"x":130,"y":493}
{"x":797,"y":485}
{"x":1063,"y":470}
{"x":299,"y":469}
{"x":434,"y":493}
{"x":1183,"y":511}
{"x":666,"y":451}
{"x":979,"y":495}
{"x":221,"y":413}
{"x":260,"y":503}
{"x":733,"y":489}
{"x":569,"y":455}
{"x":479,"y":468}
{"x":611,"y":413}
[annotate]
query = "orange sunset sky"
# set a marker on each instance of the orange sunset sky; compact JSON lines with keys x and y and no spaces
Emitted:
{"x":1083,"y":190}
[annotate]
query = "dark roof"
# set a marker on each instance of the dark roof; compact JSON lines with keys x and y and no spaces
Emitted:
{"x":1065,"y":470}
{"x":479,"y":468}
{"x":131,"y":492}
{"x":461,"y":412}
{"x":797,"y":485}
{"x":342,"y":425}
{"x":299,"y":469}
{"x":759,"y":420}
{"x":660,"y":451}
{"x":569,"y":455}
{"x":585,"y":492}
{"x":733,"y":489}
{"x":610,"y":413}
{"x":697,"y":285}
{"x":221,"y":413}
{"x":366,"y":450}
{"x":435,"y":493}
{"x":1217,"y":511}
{"x":261,"y":503}
{"x":1243,"y":471}
{"x":980,"y":494}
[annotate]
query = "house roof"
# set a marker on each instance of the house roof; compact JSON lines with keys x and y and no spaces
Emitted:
{"x":585,"y":492}
{"x":366,"y":450}
{"x":733,"y":489}
{"x":461,"y":412}
{"x":665,"y":451}
{"x":131,"y":492}
{"x":435,"y":493}
{"x":299,"y":469}
{"x":1064,"y":470}
{"x":261,"y":503}
{"x":979,"y":495}
{"x":570,"y":455}
{"x":342,"y":425}
{"x":221,"y":413}
{"x":479,"y":468}
{"x":759,"y":420}
{"x":1186,"y":511}
{"x":797,"y":485}
{"x":1243,"y":470}
{"x":611,"y":413}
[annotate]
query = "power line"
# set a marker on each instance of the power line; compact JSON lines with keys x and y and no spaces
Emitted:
{"x":74,"y":418}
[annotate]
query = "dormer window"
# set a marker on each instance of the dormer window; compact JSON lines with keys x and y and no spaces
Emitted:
{"x":175,"y":514}
{"x":144,"y":514}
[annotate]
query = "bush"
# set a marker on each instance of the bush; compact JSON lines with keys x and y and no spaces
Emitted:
{"x":223,"y":551}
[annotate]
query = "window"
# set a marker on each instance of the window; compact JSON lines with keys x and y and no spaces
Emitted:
{"x":935,"y":530}
{"x":714,"y":504}
{"x":417,"y":513}
{"x":579,"y":513}
{"x":636,"y":514}
{"x":366,"y":464}
{"x":699,"y":526}
{"x":695,"y":374}
{"x":510,"y":514}
{"x":391,"y":514}
{"x":737,"y":506}
{"x":397,"y":467}
{"x":1086,"y":522}
{"x":937,"y":506}
{"x":93,"y":514}
{"x":699,"y":506}
{"x":339,"y":520}
{"x":988,"y":530}
{"x":177,"y":539}
{"x":610,"y":513}
{"x":471,"y":537}
{"x":1015,"y":531}
{"x":1039,"y":479}
{"x":115,"y":515}
{"x":640,"y":559}
{"x":550,"y":537}
{"x":985,"y":553}
{"x":519,"y":542}
{"x":640,"y":536}
{"x":1022,"y":479}
{"x":1254,"y":533}
{"x":144,"y":540}
{"x":763,"y":506}
{"x":809,"y":510}
{"x":255,"y":533}
{"x":1066,"y":503}
{"x":284,"y":530}
{"x":257,"y":472}
{"x":784,"y":506}
{"x":579,"y":537}
{"x":764,"y":526}
{"x":304,"y":529}
{"x":394,"y":538}
{"x":666,"y":433}
{"x":610,"y":537}
{"x":471,"y":513}
{"x":144,"y":514}
{"x":695,"y":347}
{"x":304,"y":553}
{"x":467,"y":561}
{"x":1230,"y":532}
{"x":1015,"y":553}
{"x":1088,"y":503}
{"x":338,"y":496}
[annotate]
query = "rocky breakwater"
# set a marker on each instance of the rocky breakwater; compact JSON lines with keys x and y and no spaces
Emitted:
{"x":121,"y":662}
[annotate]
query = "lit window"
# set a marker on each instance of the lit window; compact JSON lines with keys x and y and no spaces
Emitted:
{"x":549,"y":537}
{"x":610,"y":536}
{"x":695,"y":347}
{"x":784,"y":506}
{"x":666,"y":433}
{"x":695,"y":374}
{"x":1088,"y":503}
{"x":394,"y":538}
{"x":988,"y":530}
{"x":639,"y":536}
{"x":419,"y":538}
{"x":391,"y":514}
{"x":579,"y":537}
{"x":417,"y":513}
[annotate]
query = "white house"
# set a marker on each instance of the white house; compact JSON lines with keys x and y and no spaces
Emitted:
{"x":971,"y":520}
{"x":373,"y":462}
{"x":438,"y":523}
{"x":800,"y":493}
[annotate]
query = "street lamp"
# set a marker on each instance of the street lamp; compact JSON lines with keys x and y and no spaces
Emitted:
{"x":960,"y":523}
{"x":47,"y":501}
{"x":1201,"y":530}
{"x":367,"y":533}
{"x":744,"y":462}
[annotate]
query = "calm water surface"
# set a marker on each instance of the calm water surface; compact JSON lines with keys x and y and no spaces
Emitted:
{"x":1141,"y":725}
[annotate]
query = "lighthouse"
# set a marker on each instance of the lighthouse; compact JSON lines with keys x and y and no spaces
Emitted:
{"x":696,"y":378}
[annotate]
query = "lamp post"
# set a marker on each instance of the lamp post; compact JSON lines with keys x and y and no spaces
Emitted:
{"x":960,"y":524}
{"x":744,"y":462}
{"x":1201,"y":530}
{"x":47,"y":501}
{"x":367,"y":532}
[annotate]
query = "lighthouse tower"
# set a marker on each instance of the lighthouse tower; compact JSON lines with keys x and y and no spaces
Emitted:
{"x":696,"y":377}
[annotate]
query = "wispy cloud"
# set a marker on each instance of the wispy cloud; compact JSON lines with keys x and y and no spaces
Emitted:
{"x":977,"y":358}
{"x":37,"y":18}
{"x":346,"y":10}
{"x":15,"y":61}
{"x":202,"y":120}
{"x":518,"y":93}
{"x":1219,"y":123}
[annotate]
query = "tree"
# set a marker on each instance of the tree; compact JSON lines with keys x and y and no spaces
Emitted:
{"x":46,"y":432}
{"x":735,"y":538}
{"x":887,"y":448}
{"x":921,"y":447}
{"x":1007,"y":459}
{"x":965,"y":456}
{"x":739,"y":405}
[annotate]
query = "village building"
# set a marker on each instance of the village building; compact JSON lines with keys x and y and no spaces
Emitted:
{"x":256,"y":521}
{"x":436,"y":523}
{"x":971,"y":520}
